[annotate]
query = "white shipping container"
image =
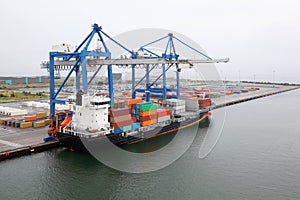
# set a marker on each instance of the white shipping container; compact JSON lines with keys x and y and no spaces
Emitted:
{"x":179,"y":107}
{"x":175,"y":102}
{"x":164,"y":118}
{"x":192,"y":105}
{"x":176,"y":112}
{"x":17,"y":112}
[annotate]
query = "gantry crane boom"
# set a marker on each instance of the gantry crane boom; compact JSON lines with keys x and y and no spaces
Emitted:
{"x":140,"y":61}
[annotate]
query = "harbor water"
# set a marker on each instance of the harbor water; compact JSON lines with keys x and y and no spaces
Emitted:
{"x":256,"y":157}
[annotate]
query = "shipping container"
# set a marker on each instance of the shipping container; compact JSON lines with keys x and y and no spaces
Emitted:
{"x":142,"y":104}
{"x":148,"y":117}
{"x":120,"y":118}
{"x":41,"y":114}
{"x":147,"y":113}
{"x":121,"y":104}
{"x":179,"y":111}
{"x":175,"y":102}
{"x":134,"y":101}
{"x":17,"y":125}
{"x":121,"y":124}
{"x":192,"y":105}
{"x":164,"y":118}
{"x":118,"y":130}
{"x":127,"y":128}
{"x":148,"y":107}
{"x":26,"y":125}
{"x":178,"y":107}
{"x":120,"y":112}
{"x":136,"y":125}
{"x":133,"y":119}
{"x":47,"y":122}
{"x":38,"y":124}
{"x":149,"y":122}
{"x":161,"y":113}
{"x":204,"y":103}
{"x":30,"y":118}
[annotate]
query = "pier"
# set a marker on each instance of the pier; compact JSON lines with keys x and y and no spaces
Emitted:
{"x":18,"y":142}
{"x":243,"y":97}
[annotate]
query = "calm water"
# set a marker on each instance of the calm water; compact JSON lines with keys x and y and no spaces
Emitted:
{"x":256,"y":157}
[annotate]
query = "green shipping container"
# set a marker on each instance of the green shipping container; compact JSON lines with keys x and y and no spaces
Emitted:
{"x":127,"y":128}
{"x":148,"y":107}
{"x":17,"y":124}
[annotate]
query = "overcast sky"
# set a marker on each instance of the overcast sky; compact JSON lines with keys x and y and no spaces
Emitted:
{"x":259,"y":36}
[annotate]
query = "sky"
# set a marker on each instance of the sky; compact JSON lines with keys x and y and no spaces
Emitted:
{"x":261,"y":37}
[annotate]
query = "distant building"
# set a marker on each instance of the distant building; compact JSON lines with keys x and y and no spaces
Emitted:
{"x":11,"y":80}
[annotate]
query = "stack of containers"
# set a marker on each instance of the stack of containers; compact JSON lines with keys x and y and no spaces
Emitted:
{"x":204,"y":102}
{"x":132,"y":107}
{"x":146,"y":113}
{"x":163,"y":115}
{"x":3,"y":121}
{"x":39,"y":119}
{"x":29,"y":119}
{"x":177,"y":105}
{"x":120,"y":119}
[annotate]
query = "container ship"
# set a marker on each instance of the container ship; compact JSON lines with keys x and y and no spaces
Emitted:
{"x":92,"y":118}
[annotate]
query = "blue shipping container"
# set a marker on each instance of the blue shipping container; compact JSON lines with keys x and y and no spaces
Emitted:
{"x":136,"y":125}
{"x":133,"y":112}
{"x":118,"y":130}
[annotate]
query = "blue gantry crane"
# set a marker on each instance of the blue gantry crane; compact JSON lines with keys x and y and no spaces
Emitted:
{"x":169,"y":54}
{"x":78,"y":60}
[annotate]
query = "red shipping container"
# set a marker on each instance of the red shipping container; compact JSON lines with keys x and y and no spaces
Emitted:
{"x":120,"y":118}
{"x":204,"y":102}
{"x":120,"y":112}
{"x":122,"y":124}
{"x":162,"y":113}
{"x":133,"y":119}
